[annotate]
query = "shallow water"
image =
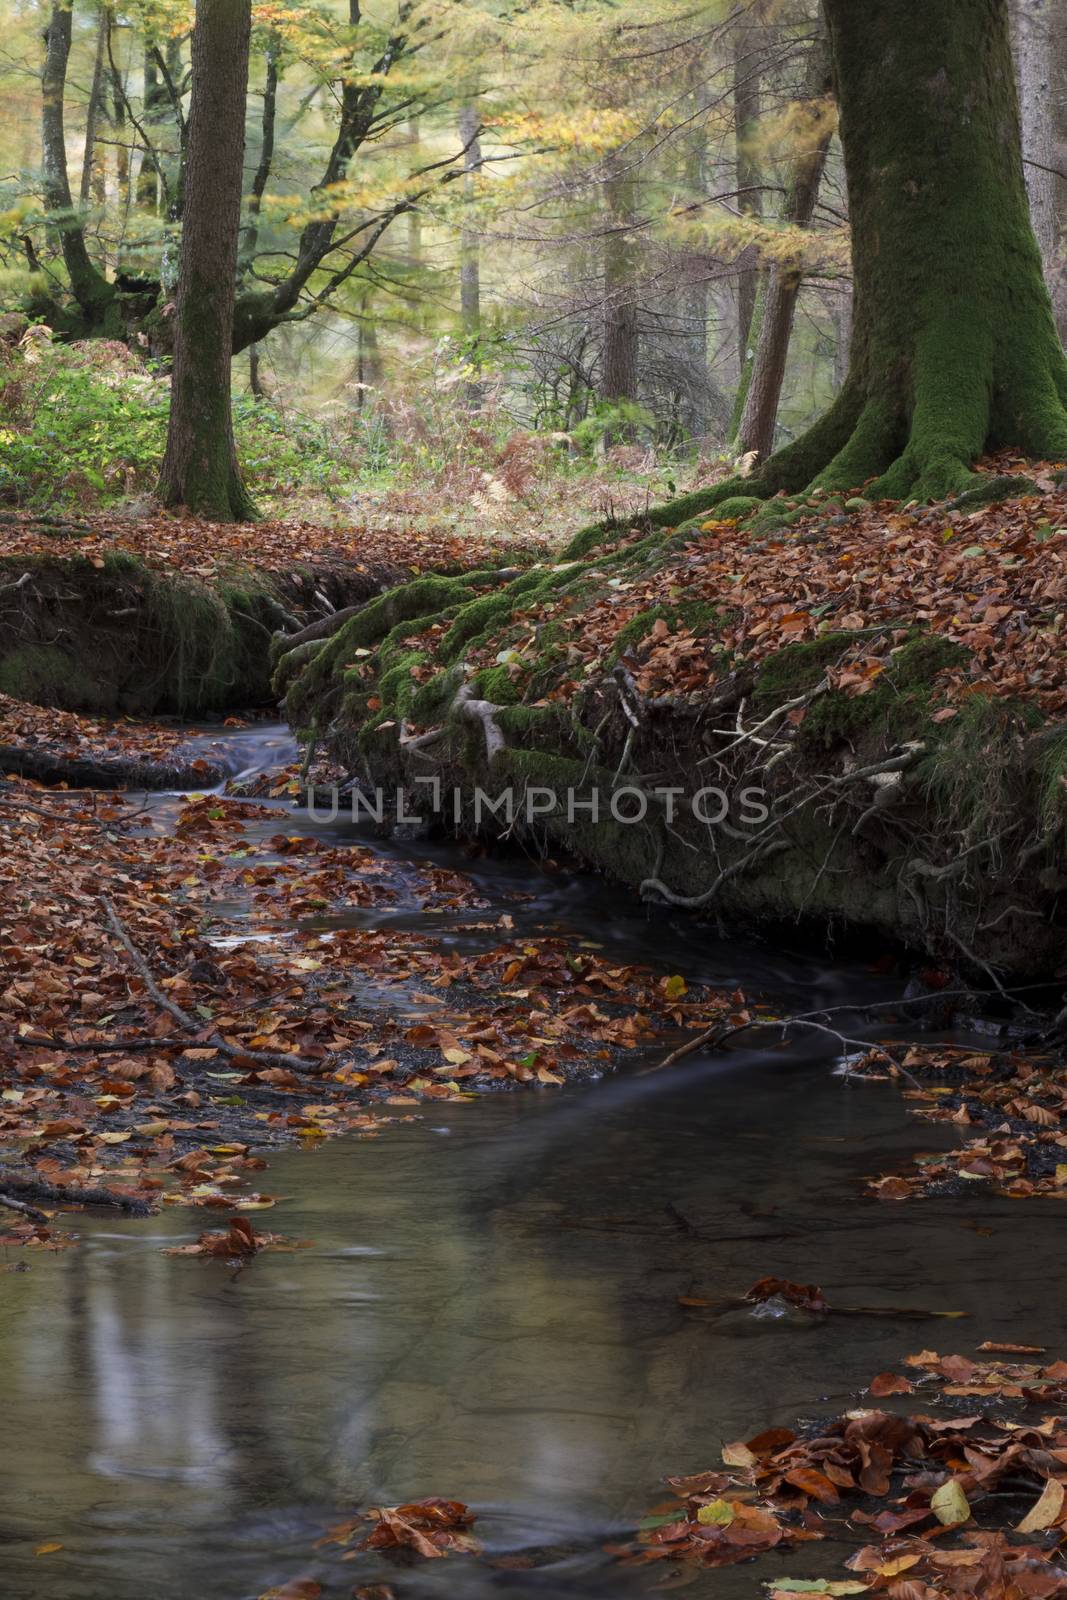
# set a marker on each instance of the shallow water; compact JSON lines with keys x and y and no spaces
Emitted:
{"x":489,"y":1312}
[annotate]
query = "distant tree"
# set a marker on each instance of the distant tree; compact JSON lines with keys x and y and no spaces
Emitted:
{"x":200,"y":467}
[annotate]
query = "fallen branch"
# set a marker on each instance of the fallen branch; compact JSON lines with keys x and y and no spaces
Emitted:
{"x":105,"y":1047}
{"x":215,"y":1041}
{"x":71,"y":1193}
{"x":11,"y":1204}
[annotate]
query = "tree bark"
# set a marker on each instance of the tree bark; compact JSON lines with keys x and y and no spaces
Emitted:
{"x":92,"y":184}
{"x":618,"y":361}
{"x":1032,"y":27}
{"x":785,"y":277}
{"x":200,"y":468}
{"x":470,"y":273}
{"x":746,"y":68}
{"x":93,"y":293}
{"x":954,"y":348}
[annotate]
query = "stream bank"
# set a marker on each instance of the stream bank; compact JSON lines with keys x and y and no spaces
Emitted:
{"x":892,"y":695}
{"x":143,"y":614}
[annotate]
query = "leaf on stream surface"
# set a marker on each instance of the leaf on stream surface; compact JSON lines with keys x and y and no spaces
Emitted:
{"x":240,"y":1242}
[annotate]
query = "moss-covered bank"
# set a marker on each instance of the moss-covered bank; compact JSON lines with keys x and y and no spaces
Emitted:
{"x":114,"y":633}
{"x":864,"y":776}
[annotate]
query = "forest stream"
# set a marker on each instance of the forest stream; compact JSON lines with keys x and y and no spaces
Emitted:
{"x":489,"y":1307}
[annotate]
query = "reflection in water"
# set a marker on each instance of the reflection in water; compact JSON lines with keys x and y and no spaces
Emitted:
{"x":489,"y":1312}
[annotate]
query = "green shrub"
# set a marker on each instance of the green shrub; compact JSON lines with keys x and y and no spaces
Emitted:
{"x":89,"y":422}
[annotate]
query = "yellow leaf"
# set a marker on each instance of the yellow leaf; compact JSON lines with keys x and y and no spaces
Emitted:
{"x":456,"y":1058}
{"x":1046,"y":1509}
{"x":716,"y":1514}
{"x":47,"y":1549}
{"x":674,"y":988}
{"x":738,"y":1455}
{"x":949,"y":1504}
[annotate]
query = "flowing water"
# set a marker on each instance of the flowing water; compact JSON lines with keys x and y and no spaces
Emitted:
{"x":490,"y":1311}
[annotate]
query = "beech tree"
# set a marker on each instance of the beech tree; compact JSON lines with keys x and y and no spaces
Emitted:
{"x":200,"y":468}
{"x":954,"y":348}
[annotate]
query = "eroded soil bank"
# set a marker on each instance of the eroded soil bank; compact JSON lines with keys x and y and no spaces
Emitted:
{"x":152,"y":614}
{"x":889,"y":681}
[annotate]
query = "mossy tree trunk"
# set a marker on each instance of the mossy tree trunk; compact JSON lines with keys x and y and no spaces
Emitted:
{"x":954,"y":348}
{"x":200,"y":468}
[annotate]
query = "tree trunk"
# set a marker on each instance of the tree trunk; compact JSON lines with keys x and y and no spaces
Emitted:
{"x":746,"y":66}
{"x":470,"y":286}
{"x":200,"y":467}
{"x":154,"y":103}
{"x":92,"y":186}
{"x":618,"y":362}
{"x":1032,"y":24}
{"x":783,"y":285}
{"x":954,"y":349}
{"x":93,"y":293}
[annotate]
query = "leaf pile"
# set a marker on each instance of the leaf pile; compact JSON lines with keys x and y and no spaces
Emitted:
{"x":432,"y":1528}
{"x":289,"y":1024}
{"x":1012,"y":1111}
{"x":207,"y":550}
{"x":995,"y":581}
{"x":974,"y":1505}
{"x":65,"y":734}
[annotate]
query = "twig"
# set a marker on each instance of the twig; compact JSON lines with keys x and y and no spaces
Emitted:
{"x":267,"y":1058}
{"x":105,"y":1047}
{"x":10,"y":1204}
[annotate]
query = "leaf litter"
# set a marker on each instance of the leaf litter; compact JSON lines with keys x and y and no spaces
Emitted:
{"x":259,"y":1027}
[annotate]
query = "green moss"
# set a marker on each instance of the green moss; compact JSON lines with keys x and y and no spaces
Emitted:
{"x":496,"y":685}
{"x":396,"y":686}
{"x":899,"y":704}
{"x":1051,"y":771}
{"x":431,"y":700}
{"x":46,"y":675}
{"x":974,"y":775}
{"x":737,"y":507}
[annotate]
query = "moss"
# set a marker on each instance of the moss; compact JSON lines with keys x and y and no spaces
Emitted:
{"x":1051,"y":772}
{"x":496,"y":685}
{"x":431,"y":700}
{"x":737,"y":507}
{"x":697,"y":617}
{"x":396,"y":686}
{"x":47,"y":675}
{"x":478,"y":618}
{"x":550,"y":729}
{"x":321,"y":682}
{"x":797,"y":668}
{"x":899,"y":704}
{"x":974,"y":774}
